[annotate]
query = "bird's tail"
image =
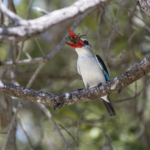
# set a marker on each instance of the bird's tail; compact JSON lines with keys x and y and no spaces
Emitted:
{"x":108,"y":105}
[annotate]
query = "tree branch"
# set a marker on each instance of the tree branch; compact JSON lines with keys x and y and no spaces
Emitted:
{"x":53,"y":52}
{"x":12,"y":15}
{"x":70,"y":98}
{"x":145,"y":6}
{"x":30,"y":28}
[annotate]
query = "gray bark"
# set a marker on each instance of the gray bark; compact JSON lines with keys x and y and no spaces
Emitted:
{"x":70,"y":98}
{"x":24,"y":29}
{"x":145,"y":6}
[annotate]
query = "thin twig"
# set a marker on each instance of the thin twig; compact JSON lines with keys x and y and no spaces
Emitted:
{"x":111,"y":35}
{"x":113,"y":25}
{"x":36,"y":39}
{"x":131,"y":37}
{"x":107,"y":140}
{"x":11,"y":6}
{"x":55,"y":51}
{"x":10,"y":127}
{"x":13,"y":16}
{"x":99,"y":38}
{"x":24,"y":130}
{"x":41,"y":10}
{"x":20,"y":51}
{"x":48,"y":114}
{"x":69,"y":134}
{"x":70,"y":145}
{"x":35,"y":74}
{"x":1,"y":19}
{"x":28,"y":56}
{"x":29,"y":8}
{"x":22,"y":45}
{"x":134,"y":14}
{"x":24,"y":62}
{"x":76,"y":120}
{"x":85,"y":122}
{"x":11,"y":131}
{"x":77,"y":132}
{"x":136,"y":95}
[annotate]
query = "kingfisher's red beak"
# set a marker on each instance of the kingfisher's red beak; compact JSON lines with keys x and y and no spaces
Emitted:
{"x":74,"y":36}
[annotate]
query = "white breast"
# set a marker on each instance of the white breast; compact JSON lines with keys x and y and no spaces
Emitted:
{"x":90,"y":71}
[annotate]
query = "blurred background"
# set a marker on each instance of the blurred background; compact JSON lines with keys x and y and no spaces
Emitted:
{"x":119,"y":32}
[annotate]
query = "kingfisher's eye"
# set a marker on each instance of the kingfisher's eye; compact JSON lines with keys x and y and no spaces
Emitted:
{"x":86,"y":42}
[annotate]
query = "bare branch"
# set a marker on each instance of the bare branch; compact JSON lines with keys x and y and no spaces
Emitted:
{"x":18,"y":57}
{"x":77,"y":132}
{"x":145,"y":6}
{"x":36,"y":39}
{"x":30,"y":28}
{"x":11,"y":6}
{"x":23,"y":62}
{"x":22,"y":45}
{"x":40,"y":10}
{"x":24,"y":130}
{"x":69,"y":134}
{"x":28,"y":11}
{"x":114,"y":26}
{"x":35,"y":74}
{"x":70,"y":98}
{"x":111,"y":35}
{"x":48,"y":114}
{"x":11,"y":15}
{"x":10,"y":127}
{"x":54,"y":52}
{"x":136,"y":95}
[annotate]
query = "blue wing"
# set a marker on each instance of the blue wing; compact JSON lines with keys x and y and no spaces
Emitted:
{"x":103,"y":67}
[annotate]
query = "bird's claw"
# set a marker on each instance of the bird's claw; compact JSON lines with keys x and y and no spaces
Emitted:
{"x":100,"y":84}
{"x":80,"y":90}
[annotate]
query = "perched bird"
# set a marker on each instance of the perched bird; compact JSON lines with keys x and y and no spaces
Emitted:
{"x":91,"y":67}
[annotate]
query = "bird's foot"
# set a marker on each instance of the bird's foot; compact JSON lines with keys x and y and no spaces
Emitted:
{"x":56,"y":106}
{"x":100,"y":84}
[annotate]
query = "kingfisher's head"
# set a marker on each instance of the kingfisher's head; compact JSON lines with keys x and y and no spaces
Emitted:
{"x":81,"y":45}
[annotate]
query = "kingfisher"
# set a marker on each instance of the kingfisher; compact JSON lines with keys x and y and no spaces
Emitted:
{"x":91,"y":67}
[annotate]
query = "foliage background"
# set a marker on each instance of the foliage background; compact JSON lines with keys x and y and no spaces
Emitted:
{"x":129,"y":129}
